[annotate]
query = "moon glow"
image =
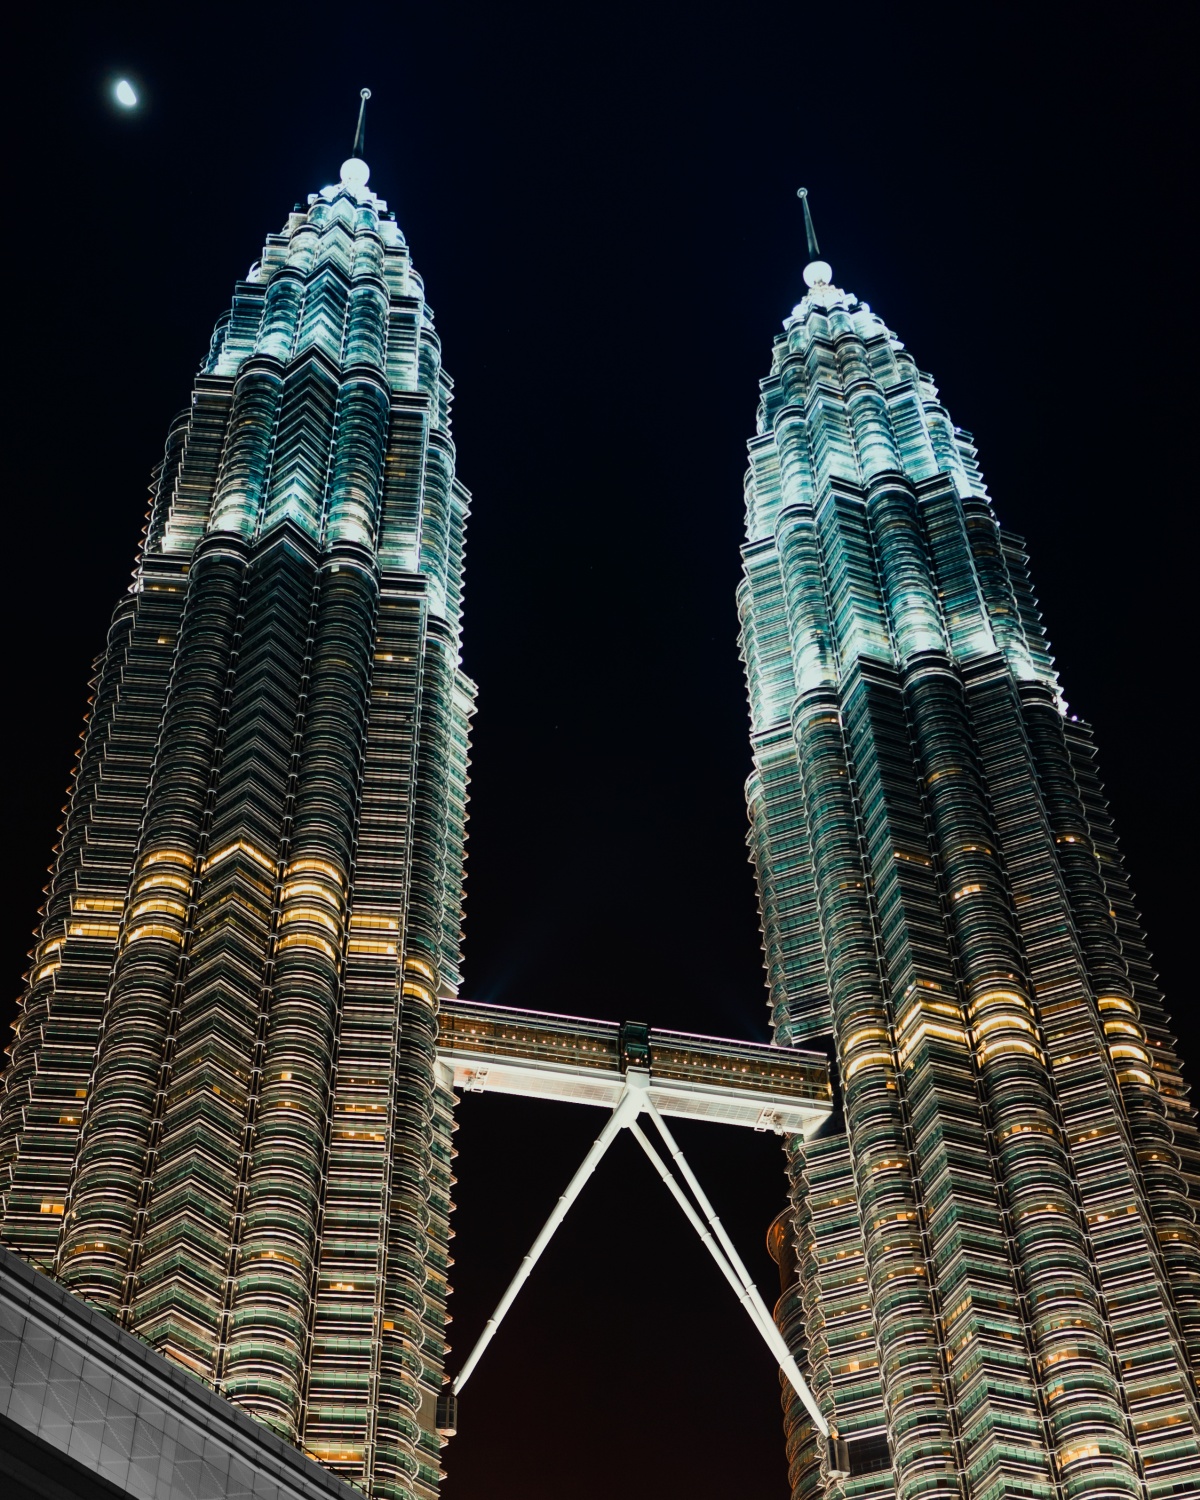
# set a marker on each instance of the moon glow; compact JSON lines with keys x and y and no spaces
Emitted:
{"x":125,"y":94}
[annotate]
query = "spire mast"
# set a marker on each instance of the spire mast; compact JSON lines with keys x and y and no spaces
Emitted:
{"x":817,"y":272}
{"x":355,"y":171}
{"x":810,"y":234}
{"x":360,"y":134}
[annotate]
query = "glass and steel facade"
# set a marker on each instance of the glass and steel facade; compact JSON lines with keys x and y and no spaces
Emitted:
{"x":995,"y":1264}
{"x":222,"y":1121}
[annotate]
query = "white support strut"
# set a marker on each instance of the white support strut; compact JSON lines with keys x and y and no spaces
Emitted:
{"x":697,"y":1224}
{"x":749,"y":1294}
{"x":629,"y":1104}
{"x":693,"y":1217}
{"x":634,"y":1099}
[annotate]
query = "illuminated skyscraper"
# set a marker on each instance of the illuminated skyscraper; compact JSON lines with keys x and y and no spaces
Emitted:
{"x":221,"y":1120}
{"x":996,"y":1264}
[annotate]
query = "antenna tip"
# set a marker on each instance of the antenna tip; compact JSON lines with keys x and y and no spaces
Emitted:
{"x":364,"y":93}
{"x":801,"y":192}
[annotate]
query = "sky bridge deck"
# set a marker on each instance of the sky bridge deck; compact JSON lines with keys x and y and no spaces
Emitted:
{"x":490,"y":1048}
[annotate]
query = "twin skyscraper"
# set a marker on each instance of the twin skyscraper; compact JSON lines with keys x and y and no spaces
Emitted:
{"x":223,"y":1122}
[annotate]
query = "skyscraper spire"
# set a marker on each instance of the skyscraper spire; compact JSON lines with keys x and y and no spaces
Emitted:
{"x":360,"y":134}
{"x":817,"y":272}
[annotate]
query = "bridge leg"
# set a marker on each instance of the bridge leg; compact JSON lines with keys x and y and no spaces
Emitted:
{"x":737,"y":1274}
{"x":628,"y":1106}
{"x":695,"y":1221}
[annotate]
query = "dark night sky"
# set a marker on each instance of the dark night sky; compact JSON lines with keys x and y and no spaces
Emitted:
{"x":602,"y":202}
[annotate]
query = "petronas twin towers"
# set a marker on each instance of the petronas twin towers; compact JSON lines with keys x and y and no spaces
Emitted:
{"x":224,"y":1121}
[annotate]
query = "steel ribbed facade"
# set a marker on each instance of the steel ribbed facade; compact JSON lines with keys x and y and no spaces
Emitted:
{"x":221,"y":1120}
{"x":997,"y":1264}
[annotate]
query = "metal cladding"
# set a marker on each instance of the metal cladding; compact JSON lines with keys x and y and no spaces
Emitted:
{"x":222,"y":1120}
{"x":997,"y":1265}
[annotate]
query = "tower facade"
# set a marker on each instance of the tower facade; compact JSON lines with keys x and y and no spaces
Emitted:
{"x":994,"y":1262}
{"x":221,"y":1120}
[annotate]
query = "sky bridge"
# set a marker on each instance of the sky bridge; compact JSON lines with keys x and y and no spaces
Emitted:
{"x":637,"y":1072}
{"x":496,"y":1049}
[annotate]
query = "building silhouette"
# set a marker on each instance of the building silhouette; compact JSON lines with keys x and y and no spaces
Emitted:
{"x":221,"y":1121}
{"x":994,"y":1262}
